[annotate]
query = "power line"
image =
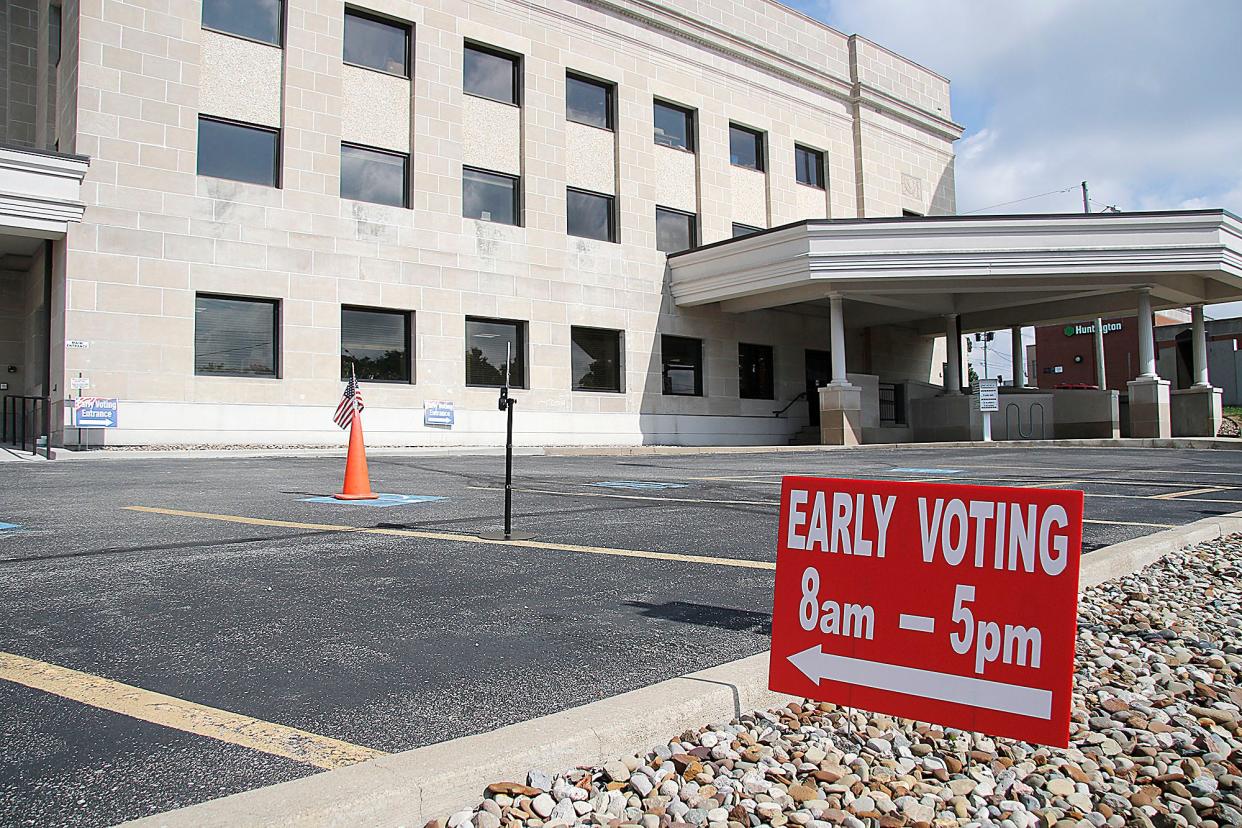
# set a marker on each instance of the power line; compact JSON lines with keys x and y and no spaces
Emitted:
{"x":1020,"y":200}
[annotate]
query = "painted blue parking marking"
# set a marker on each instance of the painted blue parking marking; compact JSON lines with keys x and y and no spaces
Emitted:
{"x":638,"y":484}
{"x":5,"y":526}
{"x":383,"y":501}
{"x":928,"y":471}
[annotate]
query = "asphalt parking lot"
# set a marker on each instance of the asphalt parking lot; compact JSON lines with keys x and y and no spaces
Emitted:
{"x":379,"y":629}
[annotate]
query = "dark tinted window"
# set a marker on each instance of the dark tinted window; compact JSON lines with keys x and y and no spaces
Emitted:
{"x":674,"y":126}
{"x":486,"y":344}
{"x":745,"y":147}
{"x":674,"y":230}
{"x":810,"y":166}
{"x":255,"y":19}
{"x":53,"y":35}
{"x":489,"y":196}
{"x":683,"y":366}
{"x":588,"y":102}
{"x":596,"y":359}
{"x":911,"y":214}
{"x":377,"y":44}
{"x":376,"y":344}
{"x":374,"y":175}
{"x":589,"y":215}
{"x":491,"y":74}
{"x":744,"y":229}
{"x":234,"y":336}
{"x":754,"y":364}
{"x":237,"y":151}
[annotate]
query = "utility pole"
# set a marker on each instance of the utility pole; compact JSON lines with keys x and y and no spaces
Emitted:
{"x":1098,"y":336}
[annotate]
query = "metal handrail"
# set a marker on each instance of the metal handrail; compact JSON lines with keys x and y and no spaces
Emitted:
{"x":19,"y":404}
{"x":801,"y":396}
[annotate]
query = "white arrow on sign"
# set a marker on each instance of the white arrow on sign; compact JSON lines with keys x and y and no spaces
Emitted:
{"x":816,"y":665}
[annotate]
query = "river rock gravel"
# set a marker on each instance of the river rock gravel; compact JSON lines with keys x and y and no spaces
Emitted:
{"x":1156,"y":740}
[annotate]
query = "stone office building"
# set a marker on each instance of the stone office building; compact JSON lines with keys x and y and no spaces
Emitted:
{"x":667,"y":222}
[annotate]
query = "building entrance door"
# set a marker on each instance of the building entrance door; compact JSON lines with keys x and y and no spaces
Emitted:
{"x":818,"y":373}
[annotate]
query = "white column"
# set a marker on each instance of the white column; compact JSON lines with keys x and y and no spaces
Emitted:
{"x":1147,"y":337}
{"x":953,"y":355}
{"x":837,"y":321}
{"x":1101,"y":377}
{"x":1199,"y":340}
{"x":1018,"y":357}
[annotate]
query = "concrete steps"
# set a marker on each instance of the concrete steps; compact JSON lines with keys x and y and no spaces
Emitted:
{"x":808,"y":436}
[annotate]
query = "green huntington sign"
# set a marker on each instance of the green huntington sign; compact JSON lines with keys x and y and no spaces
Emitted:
{"x":1075,"y":330}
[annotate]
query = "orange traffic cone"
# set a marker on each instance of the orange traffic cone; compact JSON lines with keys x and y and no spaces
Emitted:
{"x":357,"y":482}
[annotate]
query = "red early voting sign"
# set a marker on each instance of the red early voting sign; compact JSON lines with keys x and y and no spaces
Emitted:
{"x":946,"y":603}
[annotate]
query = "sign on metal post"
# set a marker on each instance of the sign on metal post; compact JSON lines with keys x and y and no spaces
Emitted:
{"x":94,"y":412}
{"x":989,"y":395}
{"x":941,"y":602}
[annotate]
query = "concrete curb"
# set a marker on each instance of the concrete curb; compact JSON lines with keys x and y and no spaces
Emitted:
{"x":415,"y":786}
{"x":327,"y":451}
{"x":1217,"y":443}
{"x":1130,"y":556}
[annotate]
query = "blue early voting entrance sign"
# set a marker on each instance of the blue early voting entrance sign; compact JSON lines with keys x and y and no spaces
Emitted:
{"x":94,"y":412}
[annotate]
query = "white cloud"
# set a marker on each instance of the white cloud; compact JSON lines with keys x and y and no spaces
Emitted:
{"x":1138,"y":97}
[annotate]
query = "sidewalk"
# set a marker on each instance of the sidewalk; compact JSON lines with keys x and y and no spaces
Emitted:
{"x":115,"y":453}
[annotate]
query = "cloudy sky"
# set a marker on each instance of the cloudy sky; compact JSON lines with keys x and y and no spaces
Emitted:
{"x":1140,"y":98}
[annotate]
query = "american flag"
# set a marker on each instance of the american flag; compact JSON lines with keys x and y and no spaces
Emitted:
{"x":351,"y":402}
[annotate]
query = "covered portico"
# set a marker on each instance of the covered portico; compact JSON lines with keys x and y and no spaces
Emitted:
{"x":39,"y":199}
{"x":952,"y":275}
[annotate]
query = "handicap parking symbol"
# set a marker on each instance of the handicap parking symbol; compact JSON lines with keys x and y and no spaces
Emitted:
{"x":383,"y":500}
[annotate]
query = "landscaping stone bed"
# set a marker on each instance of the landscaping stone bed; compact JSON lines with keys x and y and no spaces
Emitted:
{"x":1156,"y":739}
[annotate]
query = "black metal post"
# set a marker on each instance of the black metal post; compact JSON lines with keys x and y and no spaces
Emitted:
{"x":509,"y":470}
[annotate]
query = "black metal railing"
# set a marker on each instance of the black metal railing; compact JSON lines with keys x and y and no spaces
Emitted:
{"x":25,"y":422}
{"x":801,"y":396}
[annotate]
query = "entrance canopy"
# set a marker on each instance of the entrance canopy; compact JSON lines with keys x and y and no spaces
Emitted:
{"x":39,"y":196}
{"x":989,"y":271}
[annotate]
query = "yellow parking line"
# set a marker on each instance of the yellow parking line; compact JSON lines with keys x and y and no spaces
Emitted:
{"x":169,"y":711}
{"x":1189,"y":492}
{"x":742,"y":563}
{"x":635,"y":497}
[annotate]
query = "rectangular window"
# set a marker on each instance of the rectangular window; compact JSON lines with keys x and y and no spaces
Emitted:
{"x":375,"y":344}
{"x":377,"y":43}
{"x":588,"y":101}
{"x":674,"y":126}
{"x":589,"y":215}
{"x":675,"y":230}
{"x":53,"y":35}
{"x":235,"y":336}
{"x":740,"y":230}
{"x":374,"y":175}
{"x":810,"y":166}
{"x":745,"y":147}
{"x":489,"y":73}
{"x":241,"y":152}
{"x":596,"y":359}
{"x":755,"y":378}
{"x":489,"y":196}
{"x":487,"y":343}
{"x":252,"y":19}
{"x":910,"y":214}
{"x":683,"y":366}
